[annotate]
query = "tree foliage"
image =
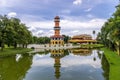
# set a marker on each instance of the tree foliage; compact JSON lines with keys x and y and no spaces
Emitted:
{"x":41,"y":40}
{"x":110,"y":32}
{"x":13,"y":32}
{"x":66,"y":38}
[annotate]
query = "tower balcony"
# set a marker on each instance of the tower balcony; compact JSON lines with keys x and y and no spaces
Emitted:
{"x":56,"y":28}
{"x":56,"y":20}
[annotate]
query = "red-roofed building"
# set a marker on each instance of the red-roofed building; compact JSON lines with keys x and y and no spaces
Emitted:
{"x":83,"y":38}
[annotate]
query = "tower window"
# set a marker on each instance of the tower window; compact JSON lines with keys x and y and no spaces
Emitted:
{"x":56,"y":42}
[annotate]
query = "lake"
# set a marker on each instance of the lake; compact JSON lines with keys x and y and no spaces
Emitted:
{"x":70,"y":64}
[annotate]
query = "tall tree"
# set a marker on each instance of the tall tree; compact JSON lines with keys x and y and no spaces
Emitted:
{"x":4,"y":22}
{"x":13,"y":32}
{"x":110,"y":32}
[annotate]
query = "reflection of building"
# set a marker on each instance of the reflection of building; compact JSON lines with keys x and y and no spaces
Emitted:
{"x":82,"y":52}
{"x":57,"y":55}
{"x":83,"y":38}
{"x":57,"y":39}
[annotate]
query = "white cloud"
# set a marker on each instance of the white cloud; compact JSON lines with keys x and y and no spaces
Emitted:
{"x":40,"y":32}
{"x":12,"y":14}
{"x":68,"y":27}
{"x":90,"y":16}
{"x":41,"y":24}
{"x":77,"y":2}
{"x":88,"y":10}
{"x":93,"y":23}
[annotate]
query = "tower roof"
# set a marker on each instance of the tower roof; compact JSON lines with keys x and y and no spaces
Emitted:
{"x":57,"y":17}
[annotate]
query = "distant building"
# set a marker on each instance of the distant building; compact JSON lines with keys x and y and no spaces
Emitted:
{"x":83,"y":38}
{"x":57,"y":39}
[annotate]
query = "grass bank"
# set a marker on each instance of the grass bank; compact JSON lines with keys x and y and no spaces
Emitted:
{"x":13,"y":51}
{"x":114,"y":62}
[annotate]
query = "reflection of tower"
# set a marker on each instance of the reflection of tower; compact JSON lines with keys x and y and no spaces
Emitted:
{"x":57,"y":39}
{"x":57,"y":66}
{"x":57,"y":55}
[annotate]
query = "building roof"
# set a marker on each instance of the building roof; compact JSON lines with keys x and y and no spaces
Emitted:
{"x":57,"y":17}
{"x":82,"y":41}
{"x":82,"y":35}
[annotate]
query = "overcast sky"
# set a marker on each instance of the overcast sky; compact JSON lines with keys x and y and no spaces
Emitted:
{"x":77,"y":16}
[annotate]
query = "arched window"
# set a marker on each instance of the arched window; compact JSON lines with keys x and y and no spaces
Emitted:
{"x":56,"y":42}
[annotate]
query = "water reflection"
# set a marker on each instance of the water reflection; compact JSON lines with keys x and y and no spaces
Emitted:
{"x":105,"y":67}
{"x":81,"y":52}
{"x":57,"y":55}
{"x":72,"y":64}
{"x":11,"y":69}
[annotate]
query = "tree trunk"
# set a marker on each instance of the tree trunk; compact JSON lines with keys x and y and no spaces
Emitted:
{"x":25,"y":45}
{"x":2,"y":46}
{"x":15,"y":45}
{"x":8,"y":45}
{"x":118,"y":48}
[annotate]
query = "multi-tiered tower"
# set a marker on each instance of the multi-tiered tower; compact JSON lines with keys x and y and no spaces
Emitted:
{"x":57,"y":39}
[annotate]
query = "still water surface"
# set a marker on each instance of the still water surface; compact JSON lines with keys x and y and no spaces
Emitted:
{"x":74,"y":64}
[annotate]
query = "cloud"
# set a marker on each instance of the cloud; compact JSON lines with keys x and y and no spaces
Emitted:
{"x":77,"y":2}
{"x":93,"y":23}
{"x":68,"y":26}
{"x":90,"y":16}
{"x":12,"y":14}
{"x":38,"y":16}
{"x":40,"y":32}
{"x":88,"y":10}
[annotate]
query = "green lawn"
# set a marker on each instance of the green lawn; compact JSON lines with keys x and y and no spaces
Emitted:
{"x":13,"y":51}
{"x":114,"y":61}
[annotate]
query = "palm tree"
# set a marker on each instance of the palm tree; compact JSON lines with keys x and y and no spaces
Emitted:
{"x":94,"y":33}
